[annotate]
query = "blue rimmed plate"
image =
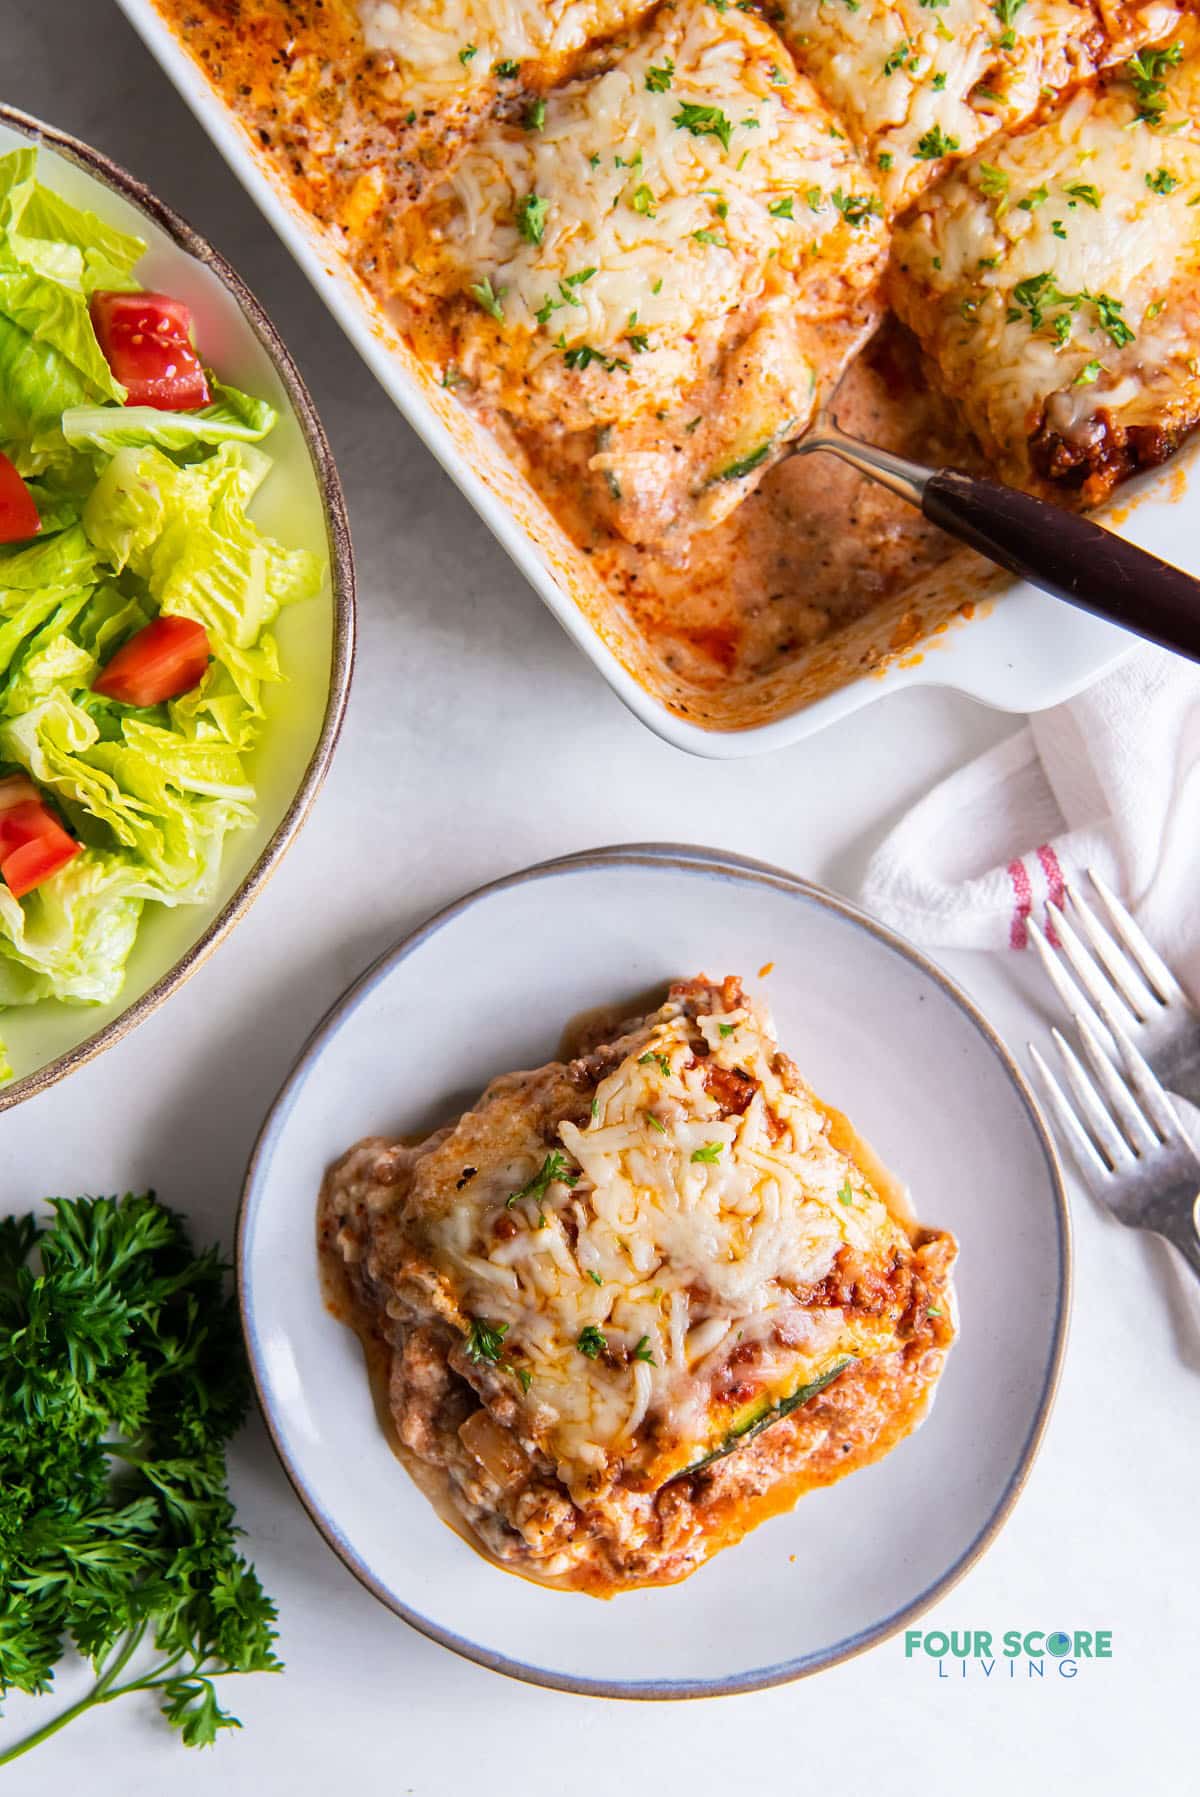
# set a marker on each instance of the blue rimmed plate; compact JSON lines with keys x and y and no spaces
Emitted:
{"x":487,"y":985}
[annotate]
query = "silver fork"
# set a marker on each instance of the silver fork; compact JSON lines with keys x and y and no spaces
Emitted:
{"x":1130,"y":987}
{"x":1129,"y":1145}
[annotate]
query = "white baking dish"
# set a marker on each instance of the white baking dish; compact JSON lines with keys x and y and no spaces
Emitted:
{"x":1020,"y":651}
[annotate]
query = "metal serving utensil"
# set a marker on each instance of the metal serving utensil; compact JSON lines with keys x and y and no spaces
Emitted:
{"x":1060,"y":551}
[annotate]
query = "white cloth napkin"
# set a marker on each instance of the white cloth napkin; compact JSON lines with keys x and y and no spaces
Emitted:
{"x":1109,"y":780}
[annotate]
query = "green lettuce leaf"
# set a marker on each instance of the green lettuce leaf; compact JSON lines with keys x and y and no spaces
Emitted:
{"x":186,"y":533}
{"x":233,"y":417}
{"x":70,"y":939}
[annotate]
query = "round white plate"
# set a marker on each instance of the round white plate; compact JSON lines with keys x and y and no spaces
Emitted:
{"x":489,"y":984}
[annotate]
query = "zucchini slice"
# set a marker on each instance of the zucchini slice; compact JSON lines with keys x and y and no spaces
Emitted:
{"x":760,"y":1413}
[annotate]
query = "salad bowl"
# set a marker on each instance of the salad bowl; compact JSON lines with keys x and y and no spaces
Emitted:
{"x":301,"y":505}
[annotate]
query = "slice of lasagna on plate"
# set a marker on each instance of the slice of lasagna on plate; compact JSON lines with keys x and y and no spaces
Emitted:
{"x":1053,"y":279}
{"x":633,"y":1303}
{"x":657,"y":270}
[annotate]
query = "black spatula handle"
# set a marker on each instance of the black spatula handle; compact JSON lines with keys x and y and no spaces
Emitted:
{"x":1069,"y":556}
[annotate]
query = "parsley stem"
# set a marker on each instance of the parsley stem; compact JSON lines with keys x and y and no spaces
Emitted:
{"x":101,"y":1692}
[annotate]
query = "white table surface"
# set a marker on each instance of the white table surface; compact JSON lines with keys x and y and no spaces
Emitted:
{"x":480,"y":741}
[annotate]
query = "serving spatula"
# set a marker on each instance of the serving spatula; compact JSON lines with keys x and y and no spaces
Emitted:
{"x":1062,"y":552}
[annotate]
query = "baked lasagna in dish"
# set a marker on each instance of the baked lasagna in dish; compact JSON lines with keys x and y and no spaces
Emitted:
{"x":626,"y":251}
{"x":1054,"y":280}
{"x":633,"y":1303}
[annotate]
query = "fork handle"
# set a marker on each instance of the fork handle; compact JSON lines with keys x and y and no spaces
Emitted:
{"x":1179,"y":1229}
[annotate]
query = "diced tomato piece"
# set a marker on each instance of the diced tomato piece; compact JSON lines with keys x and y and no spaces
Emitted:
{"x":166,"y":658}
{"x":33,"y":844}
{"x":147,"y":342}
{"x":18,"y":514}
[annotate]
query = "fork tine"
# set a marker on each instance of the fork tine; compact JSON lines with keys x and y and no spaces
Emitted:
{"x":1074,"y":998}
{"x":1138,"y":1132}
{"x":1120,"y":970}
{"x":1150,"y":1093}
{"x":1091,"y":1165}
{"x":1108,"y":1000}
{"x":1117,"y":1151}
{"x":1150,"y":963}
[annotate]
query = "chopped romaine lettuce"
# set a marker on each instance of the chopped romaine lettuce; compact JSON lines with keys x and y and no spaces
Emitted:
{"x":143,"y":512}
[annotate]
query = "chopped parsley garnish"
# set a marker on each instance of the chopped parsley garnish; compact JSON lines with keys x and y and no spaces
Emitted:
{"x":594,"y":1277}
{"x":531,"y":217}
{"x":1039,"y":294}
{"x":992,"y":181}
{"x":642,"y":1352}
{"x":933,"y":5}
{"x":1162,"y":181}
{"x":709,"y":1154}
{"x":508,"y":70}
{"x":489,"y":297}
{"x":642,"y":200}
{"x":939,"y":82}
{"x":885,"y":158}
{"x":1033,"y":200}
{"x":580,"y":277}
{"x":931,"y":1310}
{"x":523,"y":1376}
{"x":656,"y":1123}
{"x":782,"y":208}
{"x":595,"y":1108}
{"x":1006,"y":11}
{"x":710,"y":237}
{"x":856,"y":208}
{"x":1147,"y":72}
{"x":1108,"y":313}
{"x":1087,"y":374}
{"x":592,"y":1341}
{"x":535,"y":115}
{"x":704,"y":121}
{"x":815,"y":198}
{"x":651,"y":1059}
{"x":1058,"y":228}
{"x":845,"y":1192}
{"x":934,"y":144}
{"x":1085,"y":191}
{"x":897,"y":57}
{"x":638,"y":341}
{"x":584,"y":354}
{"x":465,"y":54}
{"x":727,"y":1029}
{"x":485,"y":1341}
{"x":778,"y":78}
{"x":411,"y":116}
{"x":555,"y":1167}
{"x":658,"y":80}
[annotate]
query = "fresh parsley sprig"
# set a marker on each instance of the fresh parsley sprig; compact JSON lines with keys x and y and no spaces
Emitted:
{"x":122,"y":1378}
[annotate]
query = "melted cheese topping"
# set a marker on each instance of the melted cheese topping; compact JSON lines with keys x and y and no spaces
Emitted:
{"x":599,"y":258}
{"x":918,"y":81}
{"x":446,"y":47}
{"x":1057,"y":275}
{"x":673,"y":1238}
